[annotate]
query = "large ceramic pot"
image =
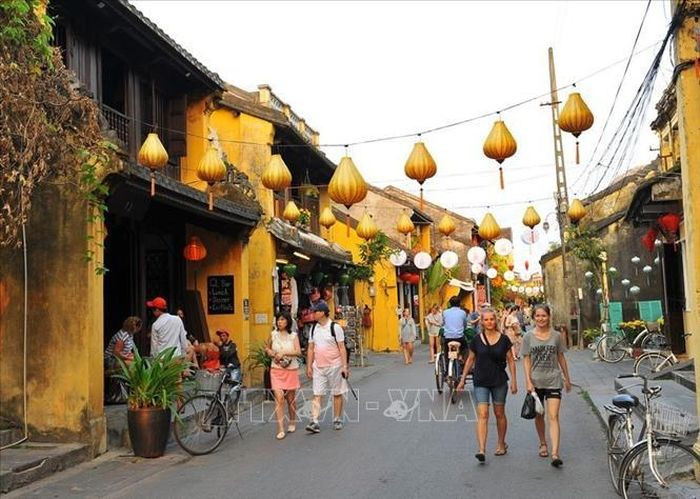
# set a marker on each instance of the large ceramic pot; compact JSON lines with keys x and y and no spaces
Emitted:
{"x":149,"y":429}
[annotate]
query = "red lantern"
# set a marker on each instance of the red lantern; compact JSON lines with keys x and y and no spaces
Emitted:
{"x":194,"y":250}
{"x":414,"y":279}
{"x":405,"y":276}
{"x":511,"y":266}
{"x":527,"y":265}
{"x":649,"y":238}
{"x":669,"y":224}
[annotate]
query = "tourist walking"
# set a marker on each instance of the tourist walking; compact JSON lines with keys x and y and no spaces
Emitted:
{"x":407,"y":336}
{"x":284,"y":349}
{"x":513,"y":329}
{"x":168,"y":331}
{"x":546,"y":373}
{"x":489,"y":353}
{"x":433,"y":321}
{"x":326,"y":365}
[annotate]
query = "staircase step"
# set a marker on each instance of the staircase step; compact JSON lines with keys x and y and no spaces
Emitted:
{"x":10,"y":436}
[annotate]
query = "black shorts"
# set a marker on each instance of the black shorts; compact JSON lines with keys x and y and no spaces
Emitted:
{"x":548,"y":393}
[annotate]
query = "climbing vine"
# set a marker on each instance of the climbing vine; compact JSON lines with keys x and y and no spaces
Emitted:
{"x":49,"y":129}
{"x":586,"y":247}
{"x":372,"y":252}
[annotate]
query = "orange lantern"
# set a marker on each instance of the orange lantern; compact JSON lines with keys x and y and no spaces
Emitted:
{"x":367,"y":229}
{"x":153,"y":156}
{"x":531,"y":217}
{"x":447,"y":225}
{"x":500,"y":145}
{"x":211,"y":169}
{"x":347,"y":187}
{"x":420,"y":166}
{"x":276,"y":175}
{"x":291,"y":213}
{"x":576,"y":211}
{"x":575,"y":117}
{"x":489,"y":229}
{"x":194,"y":250}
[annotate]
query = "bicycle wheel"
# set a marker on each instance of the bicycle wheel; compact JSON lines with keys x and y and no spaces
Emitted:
{"x":655,"y":341}
{"x":611,"y":348}
{"x":200,"y":425}
{"x":440,"y":372}
{"x":454,"y":394}
{"x":651,"y":362}
{"x":618,"y":445}
{"x":674,"y":463}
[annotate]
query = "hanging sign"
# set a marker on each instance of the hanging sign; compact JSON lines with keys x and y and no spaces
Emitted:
{"x":220,"y":294}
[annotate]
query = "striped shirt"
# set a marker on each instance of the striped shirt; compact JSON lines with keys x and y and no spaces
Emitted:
{"x":121,"y":335}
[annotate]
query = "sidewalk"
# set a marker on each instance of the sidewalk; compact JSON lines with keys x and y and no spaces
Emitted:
{"x":596,"y":379}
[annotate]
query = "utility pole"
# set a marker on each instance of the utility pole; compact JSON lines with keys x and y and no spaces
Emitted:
{"x":561,"y":195}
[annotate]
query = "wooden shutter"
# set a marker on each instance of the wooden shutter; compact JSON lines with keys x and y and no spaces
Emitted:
{"x":649,"y":311}
{"x":177,"y":125}
{"x":615,"y":312}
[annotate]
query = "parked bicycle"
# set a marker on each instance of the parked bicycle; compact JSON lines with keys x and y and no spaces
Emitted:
{"x":204,"y":419}
{"x":657,"y":464}
{"x":613,"y":347}
{"x":652,"y":362}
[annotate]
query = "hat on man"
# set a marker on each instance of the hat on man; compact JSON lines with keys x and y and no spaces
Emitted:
{"x":158,"y":302}
{"x":221,"y":332}
{"x":321,"y":306}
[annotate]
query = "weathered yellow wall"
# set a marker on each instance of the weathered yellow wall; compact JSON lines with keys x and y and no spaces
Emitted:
{"x":65,"y":331}
{"x":384,"y":334}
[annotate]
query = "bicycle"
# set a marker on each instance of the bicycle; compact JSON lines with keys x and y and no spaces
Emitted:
{"x":658,"y":464}
{"x":655,"y":361}
{"x":203,"y":420}
{"x":613,"y":347}
{"x":449,"y":371}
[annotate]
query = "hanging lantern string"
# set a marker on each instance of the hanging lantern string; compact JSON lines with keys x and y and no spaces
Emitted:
{"x":399,"y":136}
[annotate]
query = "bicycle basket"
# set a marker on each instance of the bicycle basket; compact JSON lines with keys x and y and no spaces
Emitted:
{"x":671,"y":421}
{"x":206,"y":381}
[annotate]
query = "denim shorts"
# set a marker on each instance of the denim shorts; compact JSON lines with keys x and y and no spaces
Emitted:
{"x":485,"y":394}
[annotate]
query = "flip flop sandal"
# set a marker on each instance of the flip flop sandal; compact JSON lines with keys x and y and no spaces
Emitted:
{"x":501,"y":452}
{"x":480,"y":456}
{"x":544,"y":452}
{"x":556,"y":461}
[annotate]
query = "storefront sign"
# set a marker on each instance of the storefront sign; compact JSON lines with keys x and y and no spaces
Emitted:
{"x":261,"y":319}
{"x":220,"y":294}
{"x":246,"y":309}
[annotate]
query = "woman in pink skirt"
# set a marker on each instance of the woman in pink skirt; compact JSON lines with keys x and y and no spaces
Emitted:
{"x":284,"y":349}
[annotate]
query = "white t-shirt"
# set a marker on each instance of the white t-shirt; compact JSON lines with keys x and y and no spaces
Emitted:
{"x":326,"y":351}
{"x":168,"y":331}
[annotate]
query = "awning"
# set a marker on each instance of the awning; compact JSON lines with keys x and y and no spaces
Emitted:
{"x":466,"y":286}
{"x":308,"y":242}
{"x":654,"y":197}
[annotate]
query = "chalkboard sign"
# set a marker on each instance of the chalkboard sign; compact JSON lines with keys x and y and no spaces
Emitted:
{"x":220,"y":294}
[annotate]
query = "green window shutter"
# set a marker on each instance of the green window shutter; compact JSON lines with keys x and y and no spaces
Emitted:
{"x":615,"y":311}
{"x":650,"y":311}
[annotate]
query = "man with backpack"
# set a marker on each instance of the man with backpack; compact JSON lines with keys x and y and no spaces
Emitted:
{"x":327,"y":366}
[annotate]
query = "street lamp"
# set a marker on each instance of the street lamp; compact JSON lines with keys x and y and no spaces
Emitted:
{"x":546,"y":225}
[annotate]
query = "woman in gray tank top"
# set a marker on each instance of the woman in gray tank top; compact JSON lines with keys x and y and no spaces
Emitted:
{"x":546,"y":373}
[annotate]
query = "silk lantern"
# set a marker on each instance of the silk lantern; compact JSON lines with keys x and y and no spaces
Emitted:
{"x":575,"y":118}
{"x":367,"y":229}
{"x":669,"y":223}
{"x":420,"y":166}
{"x":194,"y":250}
{"x":405,"y":226}
{"x":211,"y":169}
{"x":488,"y":228}
{"x":447,"y":225}
{"x":347,"y":187}
{"x":576,"y":211}
{"x":500,"y":145}
{"x":153,"y":156}
{"x":276,"y":175}
{"x":649,"y":239}
{"x":531,"y":217}
{"x":327,"y":219}
{"x":291,"y":212}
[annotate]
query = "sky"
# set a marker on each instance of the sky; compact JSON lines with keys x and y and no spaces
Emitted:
{"x":362,"y":70}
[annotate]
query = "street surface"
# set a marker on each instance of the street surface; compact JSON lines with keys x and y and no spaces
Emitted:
{"x":401,"y":443}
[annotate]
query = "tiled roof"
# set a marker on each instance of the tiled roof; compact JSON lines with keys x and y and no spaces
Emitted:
{"x":308,"y":242}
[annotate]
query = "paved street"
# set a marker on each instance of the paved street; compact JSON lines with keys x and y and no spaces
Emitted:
{"x":394,"y":450}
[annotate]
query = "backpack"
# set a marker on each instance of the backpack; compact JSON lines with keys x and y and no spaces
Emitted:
{"x":345,"y":339}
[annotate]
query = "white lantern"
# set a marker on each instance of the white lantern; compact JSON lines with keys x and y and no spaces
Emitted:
{"x":491,"y":273}
{"x":449,"y":259}
{"x":625,"y":282}
{"x":530,"y":236}
{"x":599,"y":291}
{"x":635,"y":260}
{"x":635,"y":290}
{"x":509,"y":275}
{"x":422,"y":260}
{"x":521,"y":289}
{"x":612,"y":270}
{"x":476,"y":254}
{"x":503,"y":247}
{"x":524,"y":277}
{"x":514,"y":288}
{"x":657,"y":260}
{"x":399,"y":258}
{"x":658,"y":243}
{"x":588,"y":274}
{"x":477,"y":268}
{"x":646,"y":269}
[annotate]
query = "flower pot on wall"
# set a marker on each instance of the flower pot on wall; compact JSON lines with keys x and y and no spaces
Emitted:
{"x":148,"y":430}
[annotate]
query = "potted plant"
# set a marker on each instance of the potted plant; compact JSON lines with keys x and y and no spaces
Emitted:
{"x":258,"y":358}
{"x":153,"y":385}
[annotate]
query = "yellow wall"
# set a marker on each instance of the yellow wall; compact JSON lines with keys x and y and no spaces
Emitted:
{"x":384,"y":334}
